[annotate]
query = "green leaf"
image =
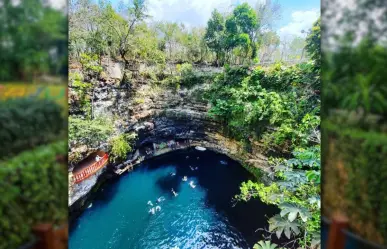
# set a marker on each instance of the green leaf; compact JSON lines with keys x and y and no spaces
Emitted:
{"x":293,"y":211}
{"x":278,"y":223}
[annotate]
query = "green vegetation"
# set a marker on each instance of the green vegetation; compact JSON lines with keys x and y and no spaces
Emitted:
{"x":277,"y":106}
{"x":33,"y":190}
{"x":354,"y":79}
{"x":296,"y":191}
{"x":34,"y":41}
{"x":121,"y":146}
{"x":280,"y":107}
{"x":354,"y":126}
{"x":243,"y":36}
{"x":281,"y":98}
{"x":28,"y":122}
{"x":90,"y":132}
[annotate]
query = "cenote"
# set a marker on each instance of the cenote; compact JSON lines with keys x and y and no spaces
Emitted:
{"x":200,"y":217}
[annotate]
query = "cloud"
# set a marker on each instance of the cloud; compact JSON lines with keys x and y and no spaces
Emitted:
{"x":192,"y":12}
{"x":301,"y":20}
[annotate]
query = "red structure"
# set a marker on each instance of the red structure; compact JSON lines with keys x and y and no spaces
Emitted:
{"x":90,"y":166}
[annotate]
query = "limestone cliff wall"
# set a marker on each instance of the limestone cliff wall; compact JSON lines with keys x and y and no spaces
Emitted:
{"x":158,"y":114}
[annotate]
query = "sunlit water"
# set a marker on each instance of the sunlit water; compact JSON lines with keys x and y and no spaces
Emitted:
{"x":200,"y":217}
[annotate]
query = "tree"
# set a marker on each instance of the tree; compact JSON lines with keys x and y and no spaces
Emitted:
{"x":240,"y":28}
{"x":313,"y":43}
{"x":297,"y":48}
{"x":169,"y":32}
{"x":363,"y":18}
{"x":269,"y":42}
{"x":267,"y":13}
{"x":215,"y":34}
{"x":34,"y":40}
{"x":124,"y":25}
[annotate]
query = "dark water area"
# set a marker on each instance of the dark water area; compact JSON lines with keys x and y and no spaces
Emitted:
{"x":200,"y":217}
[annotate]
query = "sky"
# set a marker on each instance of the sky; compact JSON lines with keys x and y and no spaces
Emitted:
{"x":297,"y":15}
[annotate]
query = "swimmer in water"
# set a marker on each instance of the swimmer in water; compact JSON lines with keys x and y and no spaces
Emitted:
{"x":173,"y":174}
{"x":191,"y":168}
{"x":174,"y":193}
{"x":160,"y":199}
{"x":196,"y":168}
{"x":158,"y":208}
{"x":152,"y":211}
{"x":191,"y":183}
{"x":150,"y":203}
{"x":186,"y":157}
{"x":185,"y":178}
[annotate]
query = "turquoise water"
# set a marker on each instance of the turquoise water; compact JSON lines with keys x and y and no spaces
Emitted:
{"x":200,"y":217}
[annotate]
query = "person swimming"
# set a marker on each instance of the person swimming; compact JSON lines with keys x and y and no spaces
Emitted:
{"x":158,"y":208}
{"x":196,"y":168}
{"x":185,"y":178}
{"x":174,"y":193}
{"x":173,"y":174}
{"x":150,"y":203}
{"x":152,"y":211}
{"x":191,"y":168}
{"x":160,"y":199}
{"x":191,"y":183}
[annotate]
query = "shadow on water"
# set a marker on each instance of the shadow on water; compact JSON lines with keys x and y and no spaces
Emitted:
{"x":220,"y":185}
{"x":166,"y":183}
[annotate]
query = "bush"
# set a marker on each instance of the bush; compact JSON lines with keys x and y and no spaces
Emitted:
{"x":89,"y":132}
{"x":354,"y":164}
{"x":27,"y":122}
{"x":121,"y":146}
{"x":33,"y":189}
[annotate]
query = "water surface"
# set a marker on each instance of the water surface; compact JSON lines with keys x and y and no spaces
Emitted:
{"x":200,"y":217}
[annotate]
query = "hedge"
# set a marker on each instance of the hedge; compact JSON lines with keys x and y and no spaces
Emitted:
{"x":355,"y":178}
{"x":28,"y":122}
{"x":33,"y":189}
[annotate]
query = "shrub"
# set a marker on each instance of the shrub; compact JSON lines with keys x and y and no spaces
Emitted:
{"x":354,"y":163}
{"x":121,"y":146}
{"x":27,"y":122}
{"x":90,"y":132}
{"x":33,"y":189}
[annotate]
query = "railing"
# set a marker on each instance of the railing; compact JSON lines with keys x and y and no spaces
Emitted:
{"x":335,"y":235}
{"x":91,"y":170}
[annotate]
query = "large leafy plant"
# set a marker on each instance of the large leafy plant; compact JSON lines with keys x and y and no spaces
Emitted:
{"x":297,"y":196}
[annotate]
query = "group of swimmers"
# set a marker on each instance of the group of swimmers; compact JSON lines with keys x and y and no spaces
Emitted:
{"x":191,"y":183}
{"x":192,"y":168}
{"x":153,"y":210}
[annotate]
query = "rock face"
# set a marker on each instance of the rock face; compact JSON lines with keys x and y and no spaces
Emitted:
{"x":160,"y":114}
